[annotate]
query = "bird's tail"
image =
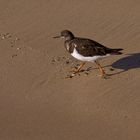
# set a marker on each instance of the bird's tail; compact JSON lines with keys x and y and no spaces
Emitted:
{"x":116,"y":51}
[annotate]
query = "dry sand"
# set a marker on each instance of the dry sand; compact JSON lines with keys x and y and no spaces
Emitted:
{"x":37,"y":102}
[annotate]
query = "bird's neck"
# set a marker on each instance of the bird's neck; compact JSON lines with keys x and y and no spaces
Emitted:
{"x":69,"y":38}
{"x":68,"y":46}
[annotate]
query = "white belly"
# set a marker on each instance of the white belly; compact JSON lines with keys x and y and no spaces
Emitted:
{"x":87,"y":58}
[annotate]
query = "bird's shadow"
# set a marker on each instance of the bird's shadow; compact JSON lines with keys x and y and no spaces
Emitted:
{"x":131,"y":61}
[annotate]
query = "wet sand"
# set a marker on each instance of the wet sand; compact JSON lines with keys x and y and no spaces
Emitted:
{"x":38,"y":102}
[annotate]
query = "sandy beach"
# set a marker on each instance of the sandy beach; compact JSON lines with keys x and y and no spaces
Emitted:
{"x":38,"y":101}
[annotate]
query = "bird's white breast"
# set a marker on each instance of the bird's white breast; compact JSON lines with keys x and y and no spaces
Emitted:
{"x":87,"y":58}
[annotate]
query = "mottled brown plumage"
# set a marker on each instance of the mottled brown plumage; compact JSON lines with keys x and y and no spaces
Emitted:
{"x":87,"y":47}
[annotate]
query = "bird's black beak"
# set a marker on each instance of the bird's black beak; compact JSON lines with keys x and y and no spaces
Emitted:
{"x":57,"y":36}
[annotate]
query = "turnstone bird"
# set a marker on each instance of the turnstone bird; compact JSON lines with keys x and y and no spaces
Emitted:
{"x":86,"y":50}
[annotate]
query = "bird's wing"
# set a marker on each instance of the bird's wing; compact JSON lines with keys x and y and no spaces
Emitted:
{"x":87,"y":47}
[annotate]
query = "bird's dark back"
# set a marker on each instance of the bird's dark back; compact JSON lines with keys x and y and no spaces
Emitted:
{"x":86,"y":47}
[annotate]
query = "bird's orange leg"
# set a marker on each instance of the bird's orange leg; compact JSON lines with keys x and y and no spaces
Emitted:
{"x":79,"y":68}
{"x":101,"y":69}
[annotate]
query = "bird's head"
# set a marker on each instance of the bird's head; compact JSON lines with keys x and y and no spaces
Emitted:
{"x":66,"y":34}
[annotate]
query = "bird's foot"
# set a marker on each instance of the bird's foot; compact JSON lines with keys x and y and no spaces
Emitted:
{"x":78,"y":69}
{"x":74,"y":71}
